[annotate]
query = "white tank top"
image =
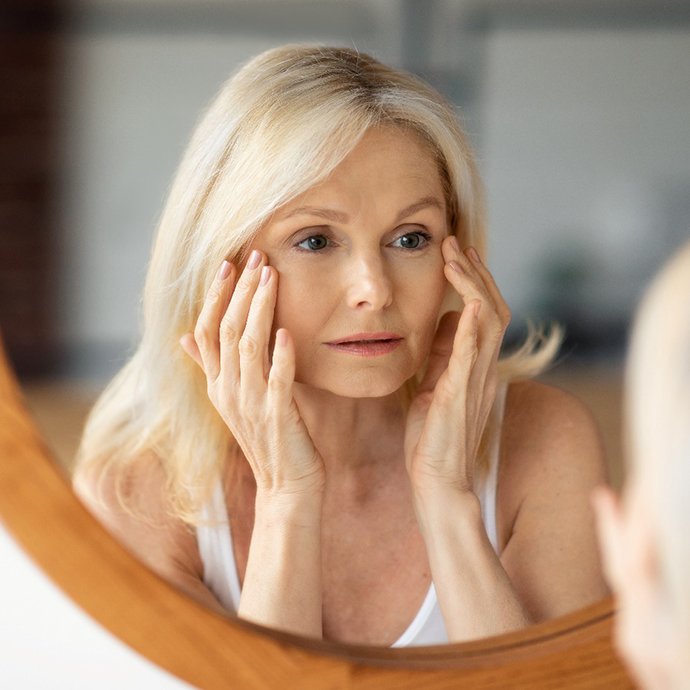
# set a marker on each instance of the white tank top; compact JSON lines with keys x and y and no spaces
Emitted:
{"x":214,"y":539}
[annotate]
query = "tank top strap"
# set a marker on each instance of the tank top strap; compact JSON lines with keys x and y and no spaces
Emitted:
{"x":214,"y":540}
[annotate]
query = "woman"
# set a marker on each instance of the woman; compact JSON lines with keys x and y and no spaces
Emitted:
{"x":645,"y":547}
{"x":300,"y":437}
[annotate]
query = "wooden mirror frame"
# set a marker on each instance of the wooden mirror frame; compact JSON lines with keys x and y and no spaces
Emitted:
{"x":211,"y":651}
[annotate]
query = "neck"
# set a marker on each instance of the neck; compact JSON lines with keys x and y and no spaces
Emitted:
{"x":355,"y":436}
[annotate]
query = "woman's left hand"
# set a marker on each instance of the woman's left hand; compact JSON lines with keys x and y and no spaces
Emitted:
{"x":447,"y":417}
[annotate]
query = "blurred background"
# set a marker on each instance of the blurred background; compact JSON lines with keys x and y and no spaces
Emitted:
{"x":579,"y":113}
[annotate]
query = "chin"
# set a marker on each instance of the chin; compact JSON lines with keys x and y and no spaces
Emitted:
{"x":364,"y":385}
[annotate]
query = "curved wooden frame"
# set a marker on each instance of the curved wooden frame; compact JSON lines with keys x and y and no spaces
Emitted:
{"x":210,"y":651}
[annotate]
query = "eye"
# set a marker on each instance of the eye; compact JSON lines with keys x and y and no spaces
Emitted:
{"x":314,"y":243}
{"x":413,"y":240}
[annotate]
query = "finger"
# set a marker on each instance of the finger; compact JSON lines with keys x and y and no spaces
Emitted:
{"x":234,"y":320}
{"x":441,"y":350}
{"x":474,"y":284}
{"x":451,"y":391}
{"x":469,"y":284}
{"x":490,"y":284}
{"x":253,"y":344}
{"x":465,"y":345}
{"x":281,"y":376}
{"x":608,"y":516}
{"x":206,"y":328}
{"x":190,"y":347}
{"x":471,"y":264}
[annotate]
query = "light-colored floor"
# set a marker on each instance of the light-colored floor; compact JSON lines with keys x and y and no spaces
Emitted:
{"x":60,"y":408}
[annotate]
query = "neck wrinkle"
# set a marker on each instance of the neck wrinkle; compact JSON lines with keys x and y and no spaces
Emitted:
{"x":352,"y":434}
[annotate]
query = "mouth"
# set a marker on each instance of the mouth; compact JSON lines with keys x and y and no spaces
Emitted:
{"x":367,"y":344}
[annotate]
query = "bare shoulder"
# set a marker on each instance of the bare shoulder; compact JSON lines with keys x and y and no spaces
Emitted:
{"x":551,"y":459}
{"x":548,"y":432}
{"x":134,"y":507}
{"x":530,"y":402}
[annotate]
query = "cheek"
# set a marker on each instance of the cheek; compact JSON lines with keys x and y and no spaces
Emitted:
{"x":426,"y":293}
{"x":301,"y":297}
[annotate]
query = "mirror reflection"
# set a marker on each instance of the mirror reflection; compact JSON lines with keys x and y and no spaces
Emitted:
{"x":345,"y":504}
{"x":326,"y":458}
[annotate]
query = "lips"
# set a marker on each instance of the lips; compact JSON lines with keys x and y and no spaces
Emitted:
{"x":366,"y":338}
{"x":367,"y":344}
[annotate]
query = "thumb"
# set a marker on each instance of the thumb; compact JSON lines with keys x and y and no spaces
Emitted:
{"x":609,"y":524}
{"x":191,"y":348}
{"x":441,"y":349}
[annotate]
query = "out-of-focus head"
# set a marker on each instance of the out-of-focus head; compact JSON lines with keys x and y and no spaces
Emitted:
{"x":645,"y":541}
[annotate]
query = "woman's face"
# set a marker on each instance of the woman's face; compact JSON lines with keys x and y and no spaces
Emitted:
{"x":359,"y":255}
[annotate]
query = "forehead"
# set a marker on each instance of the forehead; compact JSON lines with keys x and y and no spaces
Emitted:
{"x":388,"y":161}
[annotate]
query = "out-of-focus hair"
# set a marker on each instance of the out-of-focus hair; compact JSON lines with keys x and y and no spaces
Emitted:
{"x":280,"y":125}
{"x":658,"y":427}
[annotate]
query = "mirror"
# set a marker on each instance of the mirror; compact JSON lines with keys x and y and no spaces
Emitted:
{"x":490,"y":71}
{"x":211,"y":651}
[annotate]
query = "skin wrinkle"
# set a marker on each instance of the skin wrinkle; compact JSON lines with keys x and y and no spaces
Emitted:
{"x":341,"y":217}
{"x":318,"y":545}
{"x":361,"y":284}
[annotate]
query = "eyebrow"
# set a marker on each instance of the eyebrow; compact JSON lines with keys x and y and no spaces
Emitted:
{"x":340,"y":217}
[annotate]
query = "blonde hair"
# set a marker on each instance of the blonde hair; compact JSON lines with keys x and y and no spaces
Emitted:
{"x":658,"y":427}
{"x":278,"y":127}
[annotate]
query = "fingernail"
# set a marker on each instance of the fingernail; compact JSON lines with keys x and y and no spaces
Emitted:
{"x":265,"y":275}
{"x":472,"y":252}
{"x":455,"y":244}
{"x":456,"y":266}
{"x":281,"y":337}
{"x":224,"y":271}
{"x":254,"y":260}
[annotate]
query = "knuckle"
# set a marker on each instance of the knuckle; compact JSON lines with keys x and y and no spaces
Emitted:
{"x":248,"y":347}
{"x":468,"y":354}
{"x":201,"y":334}
{"x":227,"y":332}
{"x":213,"y":294}
{"x":276,"y":384}
{"x":497,"y":328}
{"x":244,"y":287}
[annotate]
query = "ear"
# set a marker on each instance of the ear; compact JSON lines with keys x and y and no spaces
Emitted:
{"x":609,"y":524}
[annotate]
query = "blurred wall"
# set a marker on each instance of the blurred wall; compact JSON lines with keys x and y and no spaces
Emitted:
{"x":586,"y":156}
{"x":580,"y":128}
{"x":135,"y":81}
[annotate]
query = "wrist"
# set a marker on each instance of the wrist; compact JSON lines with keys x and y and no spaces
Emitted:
{"x":443,"y":505}
{"x":279,"y":510}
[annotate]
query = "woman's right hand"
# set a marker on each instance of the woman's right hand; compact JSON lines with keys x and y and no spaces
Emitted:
{"x":252,"y":393}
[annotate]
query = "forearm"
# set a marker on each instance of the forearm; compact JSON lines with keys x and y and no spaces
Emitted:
{"x":475,"y":594}
{"x":282,"y":582}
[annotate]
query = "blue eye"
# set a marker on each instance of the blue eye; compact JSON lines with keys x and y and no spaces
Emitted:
{"x":413,"y":240}
{"x":314,"y":243}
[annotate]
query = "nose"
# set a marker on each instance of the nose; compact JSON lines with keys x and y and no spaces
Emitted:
{"x":369,"y":284}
